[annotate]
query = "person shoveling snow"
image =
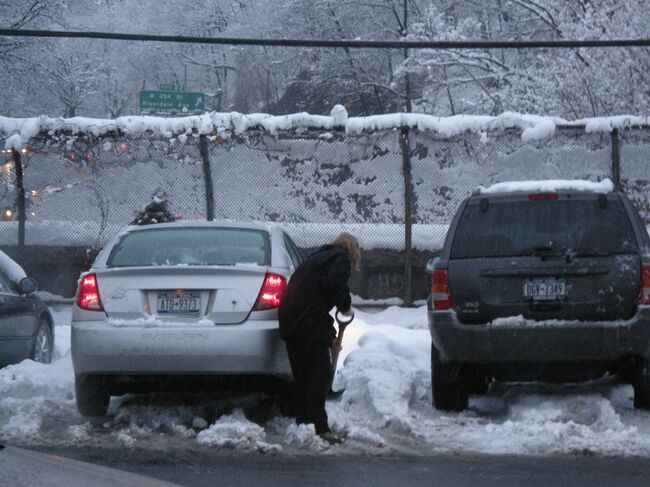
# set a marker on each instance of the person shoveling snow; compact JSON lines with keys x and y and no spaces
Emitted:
{"x":319,"y":284}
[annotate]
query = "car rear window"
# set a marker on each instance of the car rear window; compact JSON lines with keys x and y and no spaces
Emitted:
{"x":191,"y":246}
{"x":523,"y":227}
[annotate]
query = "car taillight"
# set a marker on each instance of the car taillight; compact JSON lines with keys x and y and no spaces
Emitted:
{"x":644,"y":293}
{"x":440,"y":290}
{"x":542,"y":196}
{"x":88,"y":294}
{"x":271,"y":293}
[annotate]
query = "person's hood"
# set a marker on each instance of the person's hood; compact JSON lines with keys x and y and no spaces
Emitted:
{"x":326,"y":252}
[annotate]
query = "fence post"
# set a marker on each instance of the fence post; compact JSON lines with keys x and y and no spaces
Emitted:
{"x":616,"y":160}
{"x":408,"y":216}
{"x":20,"y":196}
{"x":207,"y":177}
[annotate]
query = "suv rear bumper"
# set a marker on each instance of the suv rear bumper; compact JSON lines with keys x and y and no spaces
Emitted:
{"x":570,"y":342}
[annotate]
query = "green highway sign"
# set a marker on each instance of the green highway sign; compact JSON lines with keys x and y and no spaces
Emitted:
{"x":168,"y":101}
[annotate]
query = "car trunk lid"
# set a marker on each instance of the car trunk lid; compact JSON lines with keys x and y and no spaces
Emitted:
{"x":190,"y":294}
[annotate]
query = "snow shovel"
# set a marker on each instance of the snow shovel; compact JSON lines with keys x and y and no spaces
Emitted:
{"x":335,"y":351}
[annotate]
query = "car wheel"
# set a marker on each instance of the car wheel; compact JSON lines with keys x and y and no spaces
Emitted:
{"x":448,"y":388}
{"x":641,"y":384}
{"x":42,"y":345}
{"x":92,"y":395}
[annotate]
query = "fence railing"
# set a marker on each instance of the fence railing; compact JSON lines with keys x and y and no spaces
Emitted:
{"x":396,"y":184}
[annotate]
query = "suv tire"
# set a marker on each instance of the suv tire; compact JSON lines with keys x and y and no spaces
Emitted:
{"x":641,"y":384}
{"x":448,"y":388}
{"x":92,"y":395}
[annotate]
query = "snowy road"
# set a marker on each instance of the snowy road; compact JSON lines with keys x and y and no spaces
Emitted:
{"x":386,"y":408}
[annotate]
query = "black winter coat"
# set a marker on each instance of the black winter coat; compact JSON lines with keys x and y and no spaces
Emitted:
{"x":318,"y":284}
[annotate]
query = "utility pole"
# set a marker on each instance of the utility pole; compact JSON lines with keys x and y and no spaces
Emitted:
{"x":20,"y":196}
{"x":406,"y":171}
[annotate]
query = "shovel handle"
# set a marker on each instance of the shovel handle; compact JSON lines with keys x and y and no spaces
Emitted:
{"x":343,"y":323}
{"x":339,"y":338}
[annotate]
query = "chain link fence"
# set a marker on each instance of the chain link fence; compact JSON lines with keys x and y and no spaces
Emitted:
{"x":395,"y":189}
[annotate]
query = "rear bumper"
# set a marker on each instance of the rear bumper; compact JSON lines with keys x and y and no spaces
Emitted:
{"x":254,"y":347}
{"x":570,"y":342}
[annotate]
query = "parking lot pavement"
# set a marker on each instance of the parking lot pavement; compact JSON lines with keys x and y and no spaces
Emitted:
{"x":231,"y":470}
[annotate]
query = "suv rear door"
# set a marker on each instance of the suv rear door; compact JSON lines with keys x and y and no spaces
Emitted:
{"x":566,"y":255}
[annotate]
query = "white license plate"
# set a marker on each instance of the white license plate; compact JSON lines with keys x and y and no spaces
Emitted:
{"x":544,"y":289}
{"x":173,"y":303}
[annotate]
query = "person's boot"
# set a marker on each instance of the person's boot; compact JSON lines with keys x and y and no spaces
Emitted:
{"x":331,"y":438}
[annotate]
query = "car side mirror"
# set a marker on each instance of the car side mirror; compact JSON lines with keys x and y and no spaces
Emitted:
{"x":431,"y":264}
{"x":27,"y":285}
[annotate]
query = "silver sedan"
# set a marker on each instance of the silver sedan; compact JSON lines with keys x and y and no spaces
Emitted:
{"x":165,"y":304}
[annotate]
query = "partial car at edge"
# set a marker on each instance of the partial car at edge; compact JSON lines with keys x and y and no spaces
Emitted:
{"x":26,"y":325}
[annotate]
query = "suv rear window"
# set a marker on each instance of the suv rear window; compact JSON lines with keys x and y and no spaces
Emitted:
{"x":191,"y":246}
{"x":523,"y":227}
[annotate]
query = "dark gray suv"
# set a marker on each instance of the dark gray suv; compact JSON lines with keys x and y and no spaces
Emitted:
{"x":540,"y":285}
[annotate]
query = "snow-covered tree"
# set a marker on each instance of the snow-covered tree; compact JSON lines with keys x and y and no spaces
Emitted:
{"x":155,"y":212}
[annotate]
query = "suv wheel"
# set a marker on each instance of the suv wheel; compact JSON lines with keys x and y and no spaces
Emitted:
{"x":448,"y":388}
{"x":641,"y":384}
{"x":92,"y":395}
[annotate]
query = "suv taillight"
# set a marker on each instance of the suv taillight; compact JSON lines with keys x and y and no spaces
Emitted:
{"x":440,"y":290}
{"x":644,"y":293}
{"x":88,"y":294}
{"x":271,"y":293}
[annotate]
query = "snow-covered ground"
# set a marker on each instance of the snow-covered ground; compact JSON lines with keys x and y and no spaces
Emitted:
{"x":386,"y":408}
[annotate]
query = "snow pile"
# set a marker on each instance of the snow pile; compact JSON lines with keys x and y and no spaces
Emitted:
{"x":34,"y":398}
{"x":236,"y":432}
{"x":578,"y":424}
{"x":11,"y":268}
{"x":551,"y":185}
{"x":382,"y":379}
{"x":386,"y":408}
{"x":18,"y":131}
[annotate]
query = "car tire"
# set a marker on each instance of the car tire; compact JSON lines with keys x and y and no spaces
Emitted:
{"x":92,"y":395}
{"x":641,"y":384}
{"x":449,"y":389}
{"x":42,"y":343}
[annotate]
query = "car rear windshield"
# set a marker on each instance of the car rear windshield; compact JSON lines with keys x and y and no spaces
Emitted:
{"x":192,"y":246}
{"x":523,"y":227}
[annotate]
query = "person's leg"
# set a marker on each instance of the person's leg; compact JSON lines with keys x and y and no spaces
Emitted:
{"x":319,"y":382}
{"x":299,"y":369}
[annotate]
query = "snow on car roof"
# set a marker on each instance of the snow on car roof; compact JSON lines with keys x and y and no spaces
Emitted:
{"x":548,"y":186}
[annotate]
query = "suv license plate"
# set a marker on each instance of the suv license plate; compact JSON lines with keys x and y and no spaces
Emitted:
{"x":174,"y":303}
{"x":544,"y":289}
